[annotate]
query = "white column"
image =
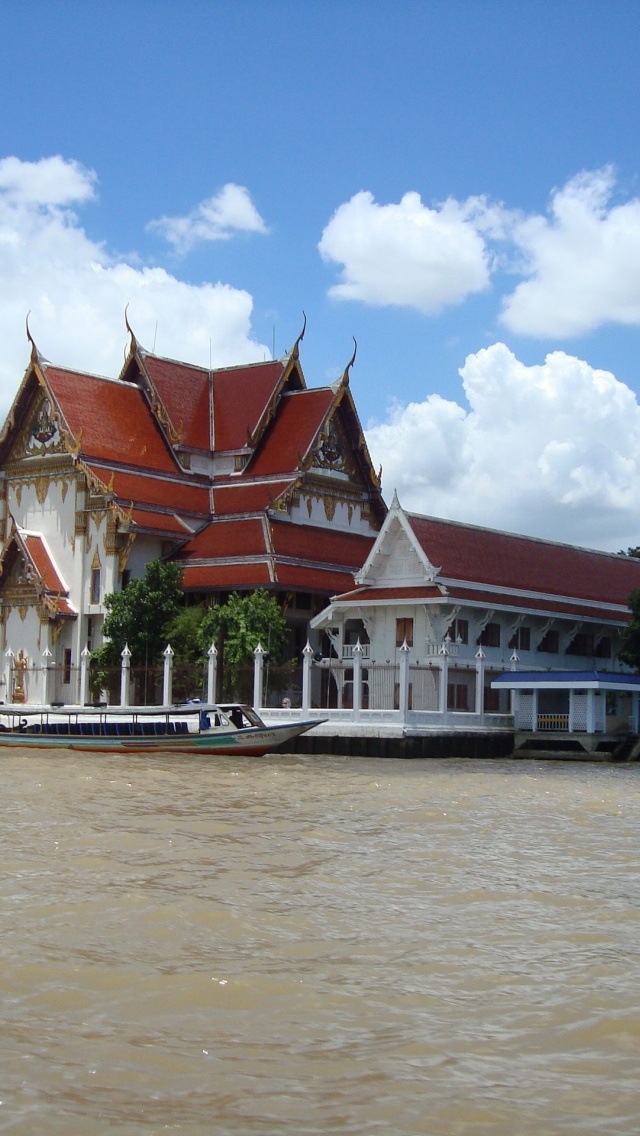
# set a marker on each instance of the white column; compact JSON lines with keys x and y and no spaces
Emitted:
{"x":534,"y":709}
{"x":591,"y":711}
{"x":212,"y":667}
{"x":515,"y":708}
{"x":357,"y":679}
{"x":124,"y":675}
{"x":46,"y":655}
{"x":258,"y":665}
{"x":307,"y":657}
{"x":167,"y":676}
{"x":403,"y":700}
{"x":480,"y":658}
{"x":444,"y":678}
{"x":84,"y":674}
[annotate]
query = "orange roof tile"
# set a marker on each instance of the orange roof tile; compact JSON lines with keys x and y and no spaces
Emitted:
{"x":313,"y":579}
{"x":330,"y":546}
{"x":288,"y":439}
{"x":47,"y":570}
{"x":224,"y":538}
{"x":184,"y":392}
{"x":183,"y":497}
{"x":251,"y":498}
{"x":110,"y":420}
{"x":464,"y":552}
{"x":161,"y":522}
{"x":502,"y":601}
{"x":225,"y":576}
{"x":240,"y":396}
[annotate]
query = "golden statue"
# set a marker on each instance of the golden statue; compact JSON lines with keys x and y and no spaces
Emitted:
{"x":19,"y":667}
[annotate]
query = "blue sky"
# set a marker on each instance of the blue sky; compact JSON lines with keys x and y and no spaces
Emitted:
{"x":457,"y":185}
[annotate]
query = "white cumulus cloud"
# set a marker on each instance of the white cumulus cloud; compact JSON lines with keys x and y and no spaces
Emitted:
{"x":551,"y":450}
{"x":77,"y":291}
{"x":216,"y":219}
{"x":579,"y":263}
{"x":408,"y":254}
{"x":582,"y":262}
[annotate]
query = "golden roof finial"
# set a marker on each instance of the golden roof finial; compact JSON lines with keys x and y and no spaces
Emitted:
{"x":295,"y":350}
{"x":35,"y":354}
{"x":134,"y":342}
{"x":345,"y":373}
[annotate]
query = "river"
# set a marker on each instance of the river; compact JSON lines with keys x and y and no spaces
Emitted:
{"x":299,"y":946}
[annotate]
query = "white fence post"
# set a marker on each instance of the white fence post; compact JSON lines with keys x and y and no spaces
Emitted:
{"x":85,"y":655}
{"x":212,"y":667}
{"x":403,"y":694}
{"x":357,"y":679}
{"x":307,"y":657}
{"x":444,"y":678}
{"x":480,"y":658}
{"x":258,"y":665}
{"x":46,"y":655}
{"x":125,"y":655}
{"x":167,"y":676}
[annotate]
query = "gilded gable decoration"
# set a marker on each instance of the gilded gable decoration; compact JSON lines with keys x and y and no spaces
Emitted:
{"x":42,"y":488}
{"x":333,"y":451}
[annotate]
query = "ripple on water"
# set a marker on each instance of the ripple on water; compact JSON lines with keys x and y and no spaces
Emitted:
{"x":318,"y":945}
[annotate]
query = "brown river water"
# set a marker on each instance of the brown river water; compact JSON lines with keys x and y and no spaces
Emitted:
{"x":305,"y":945}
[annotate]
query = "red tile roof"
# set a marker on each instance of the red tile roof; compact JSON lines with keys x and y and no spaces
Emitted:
{"x":326,"y":581}
{"x":468,"y":596}
{"x":383,"y":595}
{"x":184,"y":392}
{"x":249,"y":498}
{"x":464,"y":552}
{"x":288,"y":439}
{"x":186,"y":498}
{"x":205,"y":577}
{"x":226,"y":538}
{"x":301,"y":556}
{"x":240,"y":396}
{"x":311,"y":543}
{"x":47,"y":570}
{"x":110,"y":420}
{"x":161,"y":522}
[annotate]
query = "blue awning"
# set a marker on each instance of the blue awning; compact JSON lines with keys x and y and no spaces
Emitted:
{"x":566,"y":680}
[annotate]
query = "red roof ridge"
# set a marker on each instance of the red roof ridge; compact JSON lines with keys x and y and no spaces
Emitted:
{"x":513,"y":535}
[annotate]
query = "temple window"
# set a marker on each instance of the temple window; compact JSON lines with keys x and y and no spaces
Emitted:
{"x":404,"y":632}
{"x":521,"y":640}
{"x":459,"y":631}
{"x":550,"y":643}
{"x":66,"y":667}
{"x":95,"y":586}
{"x":490,"y":637}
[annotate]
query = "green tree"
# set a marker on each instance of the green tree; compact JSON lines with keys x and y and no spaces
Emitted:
{"x":189,"y":668}
{"x":139,"y":617}
{"x":237,"y":627}
{"x":629,"y":651}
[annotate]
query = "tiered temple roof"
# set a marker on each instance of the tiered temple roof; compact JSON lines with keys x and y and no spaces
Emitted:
{"x":216,"y":462}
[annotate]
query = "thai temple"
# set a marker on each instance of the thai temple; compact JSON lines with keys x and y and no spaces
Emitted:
{"x":244,"y":474}
{"x":405,"y":624}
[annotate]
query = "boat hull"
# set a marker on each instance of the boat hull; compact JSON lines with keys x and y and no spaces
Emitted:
{"x":253,"y":742}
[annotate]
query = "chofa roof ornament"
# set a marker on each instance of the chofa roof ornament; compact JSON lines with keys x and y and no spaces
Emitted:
{"x":36,"y":357}
{"x":133,"y":344}
{"x":295,"y":350}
